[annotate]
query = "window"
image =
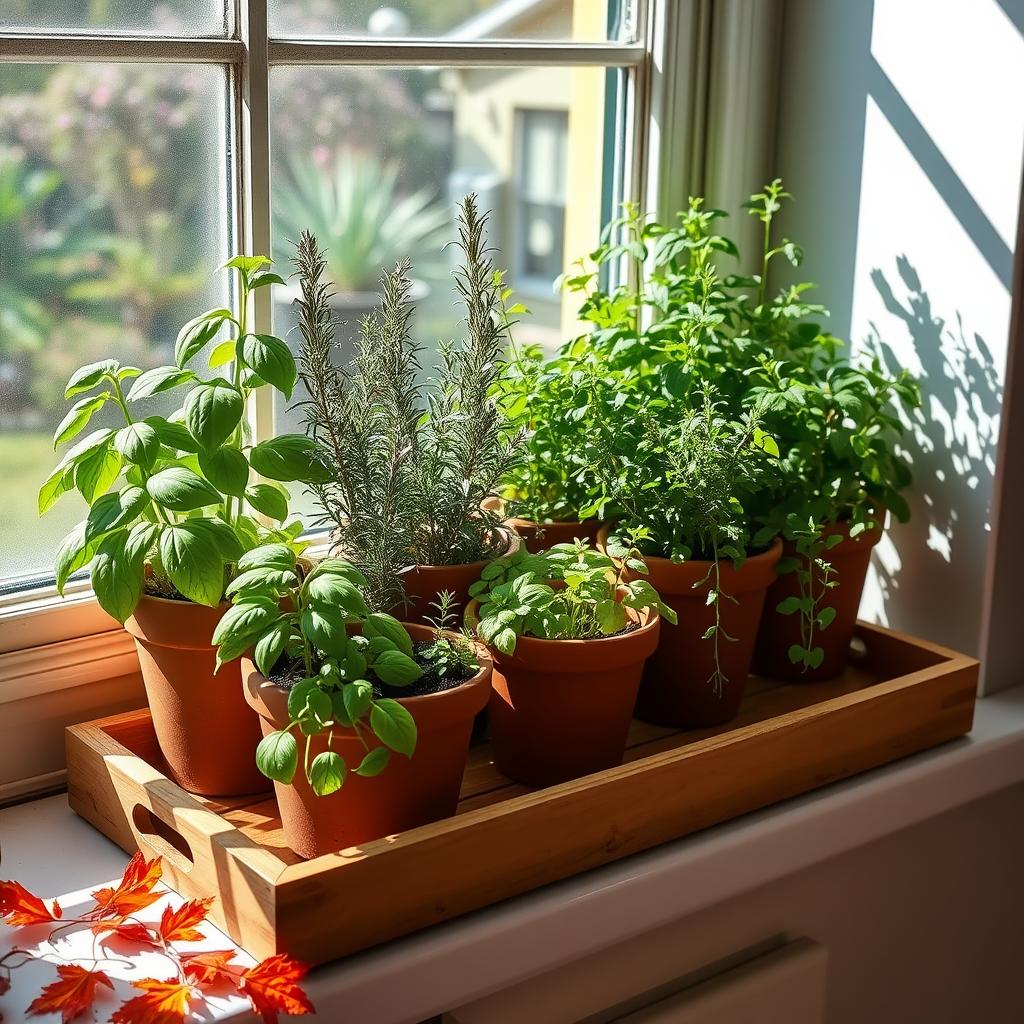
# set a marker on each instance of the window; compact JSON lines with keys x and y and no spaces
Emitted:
{"x":540,"y":194}
{"x":141,"y":142}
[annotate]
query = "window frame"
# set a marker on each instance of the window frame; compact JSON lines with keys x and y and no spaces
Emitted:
{"x":35,"y":615}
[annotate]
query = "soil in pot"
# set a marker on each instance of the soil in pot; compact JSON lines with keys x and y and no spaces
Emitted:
{"x":850,"y":560}
{"x":407,"y":794}
{"x":678,"y":687}
{"x":424,"y":582}
{"x":560,"y":709}
{"x":206,"y":732}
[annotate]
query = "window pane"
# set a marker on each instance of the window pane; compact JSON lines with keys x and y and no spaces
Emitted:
{"x":579,"y":20}
{"x":114,"y":215}
{"x":373,"y":161}
{"x":151,"y":17}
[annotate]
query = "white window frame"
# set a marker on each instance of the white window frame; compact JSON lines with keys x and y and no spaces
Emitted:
{"x":663,"y":31}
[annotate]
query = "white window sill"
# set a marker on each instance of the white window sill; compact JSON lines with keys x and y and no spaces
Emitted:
{"x":406,"y":981}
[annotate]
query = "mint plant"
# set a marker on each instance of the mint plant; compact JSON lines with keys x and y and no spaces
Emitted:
{"x":569,"y":592}
{"x":297,"y":620}
{"x":179,"y":519}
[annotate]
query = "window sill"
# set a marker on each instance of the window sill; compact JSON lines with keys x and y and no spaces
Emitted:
{"x":495,"y":948}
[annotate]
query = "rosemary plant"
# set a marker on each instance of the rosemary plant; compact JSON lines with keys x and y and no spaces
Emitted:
{"x":410,"y":460}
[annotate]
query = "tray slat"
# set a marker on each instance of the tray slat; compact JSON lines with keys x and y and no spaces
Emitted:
{"x":903,"y":695}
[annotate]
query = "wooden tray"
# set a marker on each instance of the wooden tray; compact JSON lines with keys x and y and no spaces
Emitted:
{"x":902,"y":695}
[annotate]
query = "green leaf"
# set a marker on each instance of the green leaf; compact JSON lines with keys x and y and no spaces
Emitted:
{"x":814,"y":657}
{"x":325,"y":628}
{"x":271,"y":646}
{"x":138,"y":443}
{"x":96,"y":472}
{"x":226,"y":468}
{"x":611,"y":616}
{"x":336,"y":590}
{"x":277,"y":756}
{"x":212,"y":411}
{"x":59,"y":482}
{"x":505,"y":640}
{"x":78,"y":417}
{"x":181,"y":490}
{"x":289,"y":457}
{"x":765,"y":442}
{"x":227,"y":541}
{"x":86,"y":378}
{"x":788,"y":606}
{"x":396,"y":669}
{"x":272,"y":361}
{"x":263,"y":579}
{"x":299,"y":695}
{"x":357,"y":697}
{"x":193,"y":562}
{"x":262,"y":280}
{"x":796,"y":653}
{"x":393,"y":726}
{"x":387,"y":626}
{"x":117,"y":578}
{"x":269,"y":499}
{"x":374,"y":762}
{"x":248,"y":616}
{"x":223,"y":354}
{"x":173,"y":435}
{"x":276,"y":556}
{"x":141,"y":539}
{"x":73,"y":553}
{"x":197,"y":333}
{"x":112,"y":511}
{"x":247,"y":264}
{"x":825,"y":617}
{"x":158,"y":380}
{"x":327,"y":773}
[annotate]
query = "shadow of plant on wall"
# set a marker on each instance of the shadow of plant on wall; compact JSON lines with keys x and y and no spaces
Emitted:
{"x":952,"y":443}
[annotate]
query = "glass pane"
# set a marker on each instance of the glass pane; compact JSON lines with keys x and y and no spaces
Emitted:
{"x":114,"y":215}
{"x":467,"y":20}
{"x":150,"y":17}
{"x":373,"y":162}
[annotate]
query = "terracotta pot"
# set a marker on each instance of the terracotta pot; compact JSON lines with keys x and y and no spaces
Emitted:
{"x":206,"y":733}
{"x":408,"y":793}
{"x":424,"y":582}
{"x":676,"y":689}
{"x":541,"y":536}
{"x":560,"y":709}
{"x":850,"y":559}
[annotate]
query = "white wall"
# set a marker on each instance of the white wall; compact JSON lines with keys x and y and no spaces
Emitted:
{"x":901,"y":133}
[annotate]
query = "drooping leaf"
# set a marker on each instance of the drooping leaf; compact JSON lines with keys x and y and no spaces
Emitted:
{"x":272,"y":360}
{"x":193,"y":561}
{"x":271,"y":645}
{"x":374,"y":762}
{"x":393,"y":726}
{"x":78,"y":417}
{"x":117,"y":577}
{"x":197,"y":333}
{"x":277,"y":756}
{"x":325,"y":628}
{"x":272,"y":987}
{"x":96,"y":472}
{"x":19,"y":907}
{"x":72,"y":995}
{"x":74,"y":553}
{"x":327,"y":773}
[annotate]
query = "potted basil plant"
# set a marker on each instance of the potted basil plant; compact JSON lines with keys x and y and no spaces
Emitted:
{"x":569,"y":635}
{"x":340,"y":691}
{"x":170,"y":502}
{"x":411,"y":461}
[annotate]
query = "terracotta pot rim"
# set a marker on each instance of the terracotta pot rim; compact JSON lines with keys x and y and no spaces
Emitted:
{"x":770,"y":554}
{"x":511,"y":547}
{"x":423,"y":700}
{"x":647,"y":619}
{"x":179,"y":602}
{"x":550,"y":522}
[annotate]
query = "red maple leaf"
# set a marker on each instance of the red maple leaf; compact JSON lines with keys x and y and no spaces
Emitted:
{"x":210,"y":967}
{"x":179,"y":925}
{"x":72,"y":995}
{"x":133,"y":893}
{"x":272,"y":988}
{"x":19,"y":907}
{"x":161,"y":1002}
{"x":132,"y":931}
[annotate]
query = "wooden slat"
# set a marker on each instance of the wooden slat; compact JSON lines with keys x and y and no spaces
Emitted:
{"x":903,"y":696}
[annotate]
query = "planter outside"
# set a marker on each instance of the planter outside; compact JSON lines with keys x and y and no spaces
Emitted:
{"x":424,"y":582}
{"x":778,"y":633}
{"x":207,"y":734}
{"x":407,"y":794}
{"x":677,"y":690}
{"x":561,"y":709}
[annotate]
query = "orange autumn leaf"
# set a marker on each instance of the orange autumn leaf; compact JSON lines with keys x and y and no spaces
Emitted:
{"x":210,"y":967}
{"x":133,"y":931}
{"x":19,"y":907}
{"x":72,"y":995}
{"x":178,"y":925}
{"x":161,"y":1002}
{"x":272,"y":988}
{"x":133,"y":893}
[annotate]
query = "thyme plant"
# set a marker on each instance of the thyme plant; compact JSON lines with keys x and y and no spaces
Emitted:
{"x":410,"y":461}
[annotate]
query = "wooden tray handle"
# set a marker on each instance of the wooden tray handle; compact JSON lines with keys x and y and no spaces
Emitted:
{"x":162,"y":838}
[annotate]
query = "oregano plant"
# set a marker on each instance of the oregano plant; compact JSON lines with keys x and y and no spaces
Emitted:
{"x":173,"y":499}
